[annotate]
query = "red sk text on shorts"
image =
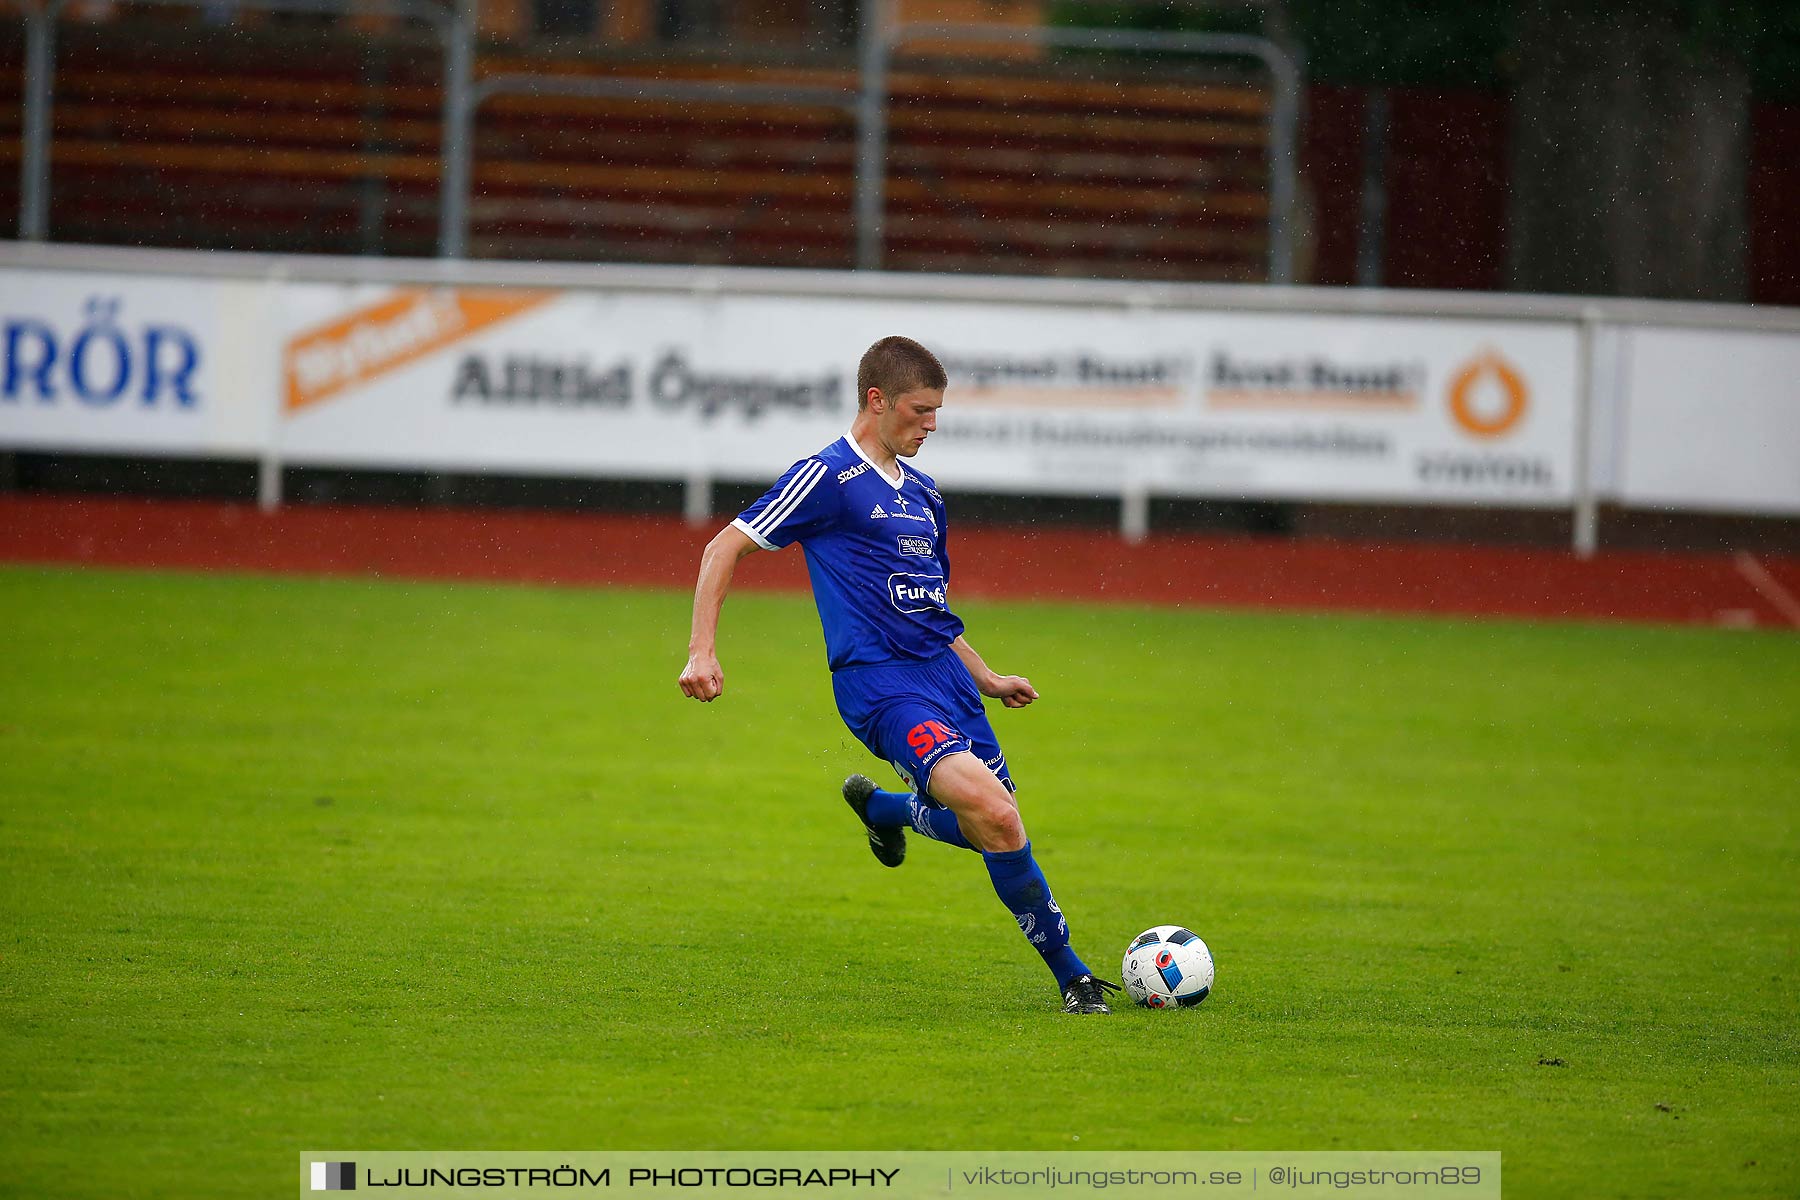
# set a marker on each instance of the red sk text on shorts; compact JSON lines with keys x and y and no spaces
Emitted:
{"x":926,"y":735}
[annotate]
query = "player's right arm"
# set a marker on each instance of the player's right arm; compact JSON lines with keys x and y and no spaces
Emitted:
{"x":702,"y":678}
{"x":795,"y":508}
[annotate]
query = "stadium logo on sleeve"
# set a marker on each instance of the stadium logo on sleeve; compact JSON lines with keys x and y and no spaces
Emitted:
{"x":334,"y":1177}
{"x":918,"y":593}
{"x":918,"y":547}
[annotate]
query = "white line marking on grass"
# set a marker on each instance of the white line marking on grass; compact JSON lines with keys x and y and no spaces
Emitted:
{"x":1768,"y":586}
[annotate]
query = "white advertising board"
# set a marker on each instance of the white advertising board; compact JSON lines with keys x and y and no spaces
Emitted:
{"x":132,"y":363}
{"x":733,"y":379}
{"x":1711,"y":420}
{"x":1042,"y":398}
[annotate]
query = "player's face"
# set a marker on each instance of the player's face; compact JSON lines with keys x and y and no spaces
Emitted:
{"x":910,"y":418}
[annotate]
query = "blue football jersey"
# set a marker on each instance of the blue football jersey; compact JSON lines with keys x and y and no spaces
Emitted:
{"x":874,"y":547}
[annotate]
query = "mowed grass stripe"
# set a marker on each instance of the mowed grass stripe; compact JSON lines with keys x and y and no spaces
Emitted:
{"x":290,"y":863}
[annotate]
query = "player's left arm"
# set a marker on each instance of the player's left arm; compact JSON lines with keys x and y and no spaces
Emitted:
{"x":1014,"y":691}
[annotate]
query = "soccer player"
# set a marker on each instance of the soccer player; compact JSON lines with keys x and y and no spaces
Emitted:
{"x":906,"y":681}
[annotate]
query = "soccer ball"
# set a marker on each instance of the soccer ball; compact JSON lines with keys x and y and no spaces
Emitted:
{"x":1168,"y":967}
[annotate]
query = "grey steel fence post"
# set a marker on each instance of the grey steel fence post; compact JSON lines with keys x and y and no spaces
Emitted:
{"x":871,"y":136}
{"x":1134,"y":511}
{"x":1587,"y":502}
{"x":458,"y":130}
{"x":269,"y":465}
{"x":697,"y":498}
{"x":34,"y":155}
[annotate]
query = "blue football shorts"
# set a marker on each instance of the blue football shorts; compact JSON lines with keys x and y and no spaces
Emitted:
{"x":912,"y":714}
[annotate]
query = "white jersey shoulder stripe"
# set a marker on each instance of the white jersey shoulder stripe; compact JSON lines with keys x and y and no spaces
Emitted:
{"x":797,"y":490}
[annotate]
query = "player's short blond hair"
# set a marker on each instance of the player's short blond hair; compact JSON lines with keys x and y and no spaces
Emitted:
{"x":897,"y":365}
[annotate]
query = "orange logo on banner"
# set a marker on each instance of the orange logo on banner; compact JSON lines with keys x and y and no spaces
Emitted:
{"x":408,"y":325}
{"x":1491,"y":374}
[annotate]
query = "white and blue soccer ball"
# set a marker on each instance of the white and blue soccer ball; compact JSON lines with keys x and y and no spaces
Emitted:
{"x":1168,"y":967}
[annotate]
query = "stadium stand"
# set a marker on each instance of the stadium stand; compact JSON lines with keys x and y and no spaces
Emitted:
{"x":269,"y":139}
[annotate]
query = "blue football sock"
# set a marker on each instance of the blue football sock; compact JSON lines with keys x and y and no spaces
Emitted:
{"x":1022,"y":888}
{"x":905,"y":808}
{"x":938,"y":824}
{"x":889,"y":808}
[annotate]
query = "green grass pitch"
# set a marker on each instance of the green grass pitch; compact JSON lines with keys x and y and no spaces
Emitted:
{"x":302,"y":863}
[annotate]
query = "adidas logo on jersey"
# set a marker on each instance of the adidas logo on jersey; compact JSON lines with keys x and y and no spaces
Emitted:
{"x":879,"y":512}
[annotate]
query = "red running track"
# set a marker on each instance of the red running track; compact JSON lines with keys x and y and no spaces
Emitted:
{"x":991,"y":562}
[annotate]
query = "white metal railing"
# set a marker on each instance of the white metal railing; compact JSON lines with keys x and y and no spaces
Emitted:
{"x":882,"y":38}
{"x":453,"y":21}
{"x":881,"y":35}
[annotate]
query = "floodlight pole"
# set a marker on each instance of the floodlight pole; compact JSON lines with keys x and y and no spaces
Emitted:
{"x":871,"y":135}
{"x":1284,"y":125}
{"x":34,"y":156}
{"x":455,"y":141}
